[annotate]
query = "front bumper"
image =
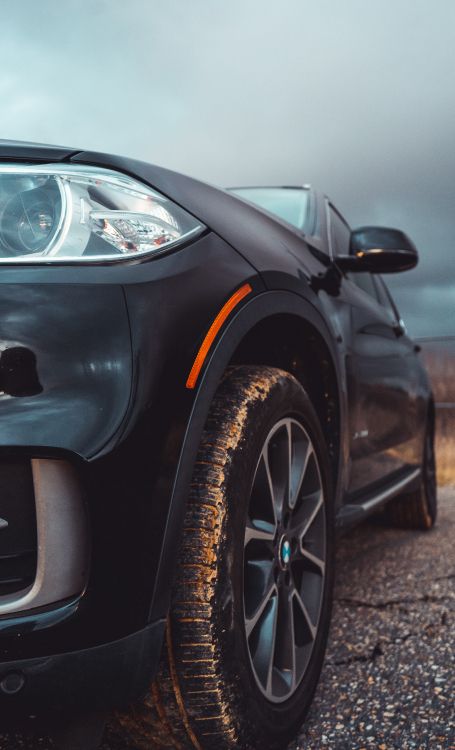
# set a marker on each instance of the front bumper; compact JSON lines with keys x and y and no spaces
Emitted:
{"x":99,"y":383}
{"x":98,"y":678}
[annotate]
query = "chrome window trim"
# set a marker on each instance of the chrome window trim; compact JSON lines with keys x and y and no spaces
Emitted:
{"x":328,"y":220}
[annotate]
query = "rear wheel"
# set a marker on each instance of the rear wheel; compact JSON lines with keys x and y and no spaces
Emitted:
{"x":418,"y":509}
{"x":251,"y":606}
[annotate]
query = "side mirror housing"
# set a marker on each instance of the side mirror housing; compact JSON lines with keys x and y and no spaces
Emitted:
{"x":379,"y":250}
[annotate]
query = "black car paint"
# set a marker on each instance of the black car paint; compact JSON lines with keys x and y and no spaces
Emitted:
{"x":113,"y":345}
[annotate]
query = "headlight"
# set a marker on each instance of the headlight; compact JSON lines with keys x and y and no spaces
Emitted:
{"x":55,"y":213}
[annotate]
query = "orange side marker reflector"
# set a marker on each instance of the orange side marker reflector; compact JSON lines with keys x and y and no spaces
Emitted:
{"x":212,"y":332}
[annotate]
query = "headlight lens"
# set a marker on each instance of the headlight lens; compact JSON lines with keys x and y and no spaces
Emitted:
{"x":61,"y":213}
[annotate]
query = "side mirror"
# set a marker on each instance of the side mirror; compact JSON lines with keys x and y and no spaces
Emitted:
{"x":379,"y":250}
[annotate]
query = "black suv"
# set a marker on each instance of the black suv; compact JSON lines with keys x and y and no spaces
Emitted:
{"x":197,"y":387}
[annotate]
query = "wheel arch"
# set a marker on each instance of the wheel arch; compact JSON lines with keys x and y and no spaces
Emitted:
{"x":294,"y":344}
{"x":263,"y":331}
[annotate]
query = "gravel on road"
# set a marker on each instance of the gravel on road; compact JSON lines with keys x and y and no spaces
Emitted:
{"x":389,"y":676}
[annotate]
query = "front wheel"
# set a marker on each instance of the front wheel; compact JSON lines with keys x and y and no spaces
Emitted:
{"x":251,"y":606}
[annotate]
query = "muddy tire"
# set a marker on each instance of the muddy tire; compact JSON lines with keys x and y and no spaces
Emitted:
{"x":418,"y":509}
{"x":218,"y":688}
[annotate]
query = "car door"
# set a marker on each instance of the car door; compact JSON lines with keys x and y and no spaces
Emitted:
{"x":383,"y":378}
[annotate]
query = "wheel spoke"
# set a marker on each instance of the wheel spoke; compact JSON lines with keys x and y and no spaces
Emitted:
{"x":265,"y":459}
{"x":289,"y":457}
{"x":292,"y":643}
{"x":316,"y":561}
{"x":254,"y":532}
{"x":301,"y":453}
{"x":277,"y":461}
{"x":262,"y":520}
{"x":301,"y":606}
{"x":285,"y":653}
{"x":303,"y":519}
{"x":272,"y":645}
{"x":258,"y":579}
{"x":251,"y":622}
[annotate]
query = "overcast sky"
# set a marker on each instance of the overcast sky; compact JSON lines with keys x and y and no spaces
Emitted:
{"x":356,"y":97}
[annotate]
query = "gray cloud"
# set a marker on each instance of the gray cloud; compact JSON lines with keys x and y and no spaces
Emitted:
{"x":355,"y":97}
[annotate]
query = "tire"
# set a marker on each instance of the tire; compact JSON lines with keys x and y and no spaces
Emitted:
{"x":213,"y":690}
{"x":418,"y":509}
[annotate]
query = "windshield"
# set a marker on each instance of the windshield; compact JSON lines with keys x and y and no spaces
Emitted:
{"x":290,"y":204}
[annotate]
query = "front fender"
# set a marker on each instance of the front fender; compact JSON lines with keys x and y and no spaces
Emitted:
{"x":259,"y":308}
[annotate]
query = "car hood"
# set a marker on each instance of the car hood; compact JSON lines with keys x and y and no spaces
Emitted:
{"x":24,"y":151}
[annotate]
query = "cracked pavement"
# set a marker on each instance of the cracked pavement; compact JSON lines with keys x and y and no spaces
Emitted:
{"x":389,"y":676}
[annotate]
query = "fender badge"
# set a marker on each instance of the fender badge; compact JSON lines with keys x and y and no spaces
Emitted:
{"x":3,"y":524}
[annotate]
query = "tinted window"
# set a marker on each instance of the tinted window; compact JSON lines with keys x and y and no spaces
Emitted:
{"x":290,"y":204}
{"x":340,"y":234}
{"x":385,"y":298}
{"x":365,"y":281}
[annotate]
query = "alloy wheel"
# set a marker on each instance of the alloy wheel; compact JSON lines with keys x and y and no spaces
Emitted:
{"x":284,"y":560}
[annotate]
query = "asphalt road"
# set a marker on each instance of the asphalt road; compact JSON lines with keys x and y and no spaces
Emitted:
{"x":389,"y":676}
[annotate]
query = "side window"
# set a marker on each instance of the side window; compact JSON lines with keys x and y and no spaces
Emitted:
{"x":365,"y":281}
{"x":340,"y":234}
{"x":385,"y":298}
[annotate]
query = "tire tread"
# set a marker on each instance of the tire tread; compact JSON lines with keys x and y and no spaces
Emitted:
{"x":176,"y":712}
